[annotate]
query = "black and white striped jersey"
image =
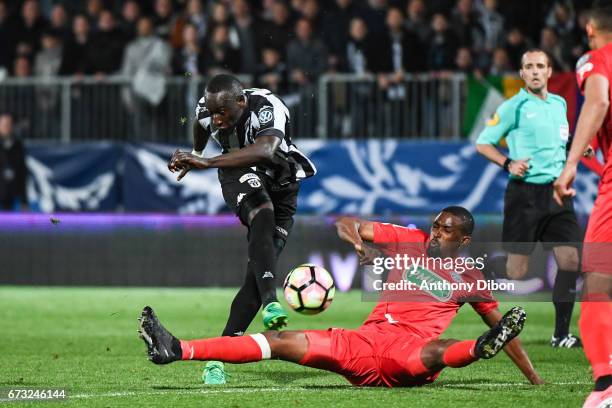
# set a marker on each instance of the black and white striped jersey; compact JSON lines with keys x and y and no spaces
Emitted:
{"x":265,"y":113}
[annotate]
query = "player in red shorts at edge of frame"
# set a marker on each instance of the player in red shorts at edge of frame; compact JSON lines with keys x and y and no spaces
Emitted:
{"x":593,"y":73}
{"x":397,"y":346}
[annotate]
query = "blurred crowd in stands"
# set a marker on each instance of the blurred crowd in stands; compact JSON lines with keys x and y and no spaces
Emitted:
{"x":279,"y":42}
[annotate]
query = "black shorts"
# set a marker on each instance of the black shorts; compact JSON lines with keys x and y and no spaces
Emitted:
{"x":238,"y":185}
{"x":531,"y":214}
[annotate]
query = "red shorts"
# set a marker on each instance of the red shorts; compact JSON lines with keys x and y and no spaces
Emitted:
{"x":369,"y":358}
{"x":597,"y":250}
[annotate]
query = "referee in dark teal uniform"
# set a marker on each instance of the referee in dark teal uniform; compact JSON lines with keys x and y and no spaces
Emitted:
{"x":534,"y":123}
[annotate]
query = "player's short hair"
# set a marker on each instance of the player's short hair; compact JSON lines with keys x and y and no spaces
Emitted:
{"x":530,"y":50}
{"x":225,"y":83}
{"x":467,"y":219}
{"x":601,"y":14}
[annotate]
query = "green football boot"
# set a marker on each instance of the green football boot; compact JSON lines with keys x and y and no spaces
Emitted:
{"x":274,"y":316}
{"x":214,"y":373}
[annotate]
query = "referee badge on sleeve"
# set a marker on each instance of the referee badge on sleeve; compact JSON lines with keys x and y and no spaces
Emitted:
{"x":564,"y":132}
{"x":494,"y":120}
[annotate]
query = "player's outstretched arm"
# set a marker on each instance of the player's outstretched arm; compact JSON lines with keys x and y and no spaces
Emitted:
{"x":355,"y":231}
{"x":261,"y":151}
{"x":592,"y":115}
{"x":514,"y":349}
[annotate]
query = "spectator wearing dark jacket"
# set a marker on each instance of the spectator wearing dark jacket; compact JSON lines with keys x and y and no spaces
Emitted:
{"x":219,"y":55}
{"x":30,"y":26}
{"x":106,"y":50}
{"x":374,"y":14}
{"x":247,"y":28}
{"x":516,"y":45}
{"x":188,"y":58}
{"x":13,"y":170}
{"x":466,"y":24}
{"x":311,"y":10}
{"x":60,"y":21}
{"x":130,"y":13}
{"x":416,"y":19}
{"x":272,"y":72}
{"x":361,"y":51}
{"x":443,"y":45}
{"x":278,"y":32}
{"x":402,"y":49}
{"x":306,"y":56}
{"x":163,"y":19}
{"x":7,"y":37}
{"x":75,"y":51}
{"x":336,"y":27}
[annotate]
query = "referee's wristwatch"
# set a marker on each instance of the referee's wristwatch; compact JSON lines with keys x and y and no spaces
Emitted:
{"x":506,"y":165}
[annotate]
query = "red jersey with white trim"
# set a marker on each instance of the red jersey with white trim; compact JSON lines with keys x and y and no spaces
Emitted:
{"x":600,"y":62}
{"x":435,"y":309}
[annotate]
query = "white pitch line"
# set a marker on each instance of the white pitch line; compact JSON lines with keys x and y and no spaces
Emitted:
{"x":288,"y":389}
{"x":493,"y":385}
{"x":187,"y":392}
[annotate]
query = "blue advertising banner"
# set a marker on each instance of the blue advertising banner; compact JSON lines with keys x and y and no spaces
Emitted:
{"x":354,"y":177}
{"x":395,"y":177}
{"x":75,"y":177}
{"x":150,"y":186}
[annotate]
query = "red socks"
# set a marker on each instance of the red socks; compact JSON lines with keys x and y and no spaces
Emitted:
{"x":595,"y":328}
{"x":460,"y":354}
{"x":244,"y":349}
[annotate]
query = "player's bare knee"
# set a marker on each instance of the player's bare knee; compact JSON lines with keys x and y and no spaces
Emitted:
{"x":516,"y":271}
{"x":273,"y":337}
{"x":567,"y":258}
{"x":433,"y":352}
{"x":287,"y":344}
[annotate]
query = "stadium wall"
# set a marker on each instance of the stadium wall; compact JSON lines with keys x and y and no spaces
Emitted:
{"x":172,"y":250}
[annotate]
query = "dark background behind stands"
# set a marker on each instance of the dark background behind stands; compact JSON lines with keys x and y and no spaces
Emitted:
{"x":48,"y":38}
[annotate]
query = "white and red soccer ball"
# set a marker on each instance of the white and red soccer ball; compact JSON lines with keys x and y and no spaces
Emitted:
{"x":309,"y":289}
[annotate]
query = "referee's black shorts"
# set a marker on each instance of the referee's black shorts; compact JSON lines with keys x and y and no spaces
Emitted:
{"x":531,"y":214}
{"x":245,"y":185}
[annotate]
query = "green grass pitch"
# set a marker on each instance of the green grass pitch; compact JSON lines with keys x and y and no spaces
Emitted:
{"x":85,"y":340}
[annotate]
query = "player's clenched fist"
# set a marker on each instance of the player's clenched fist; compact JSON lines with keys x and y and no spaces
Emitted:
{"x":184,"y":162}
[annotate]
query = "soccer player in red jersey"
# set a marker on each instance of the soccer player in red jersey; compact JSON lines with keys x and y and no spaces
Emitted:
{"x":398,"y":345}
{"x":593,"y":72}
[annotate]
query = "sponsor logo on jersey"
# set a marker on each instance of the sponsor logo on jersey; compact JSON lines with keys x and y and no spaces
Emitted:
{"x":247,"y":177}
{"x":240,"y":197}
{"x":265,"y":116}
{"x":419,"y":275}
{"x":584,"y":69}
{"x":583,"y":60}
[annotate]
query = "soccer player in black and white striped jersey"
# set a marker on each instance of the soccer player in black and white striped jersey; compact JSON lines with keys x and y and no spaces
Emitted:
{"x":259,"y":172}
